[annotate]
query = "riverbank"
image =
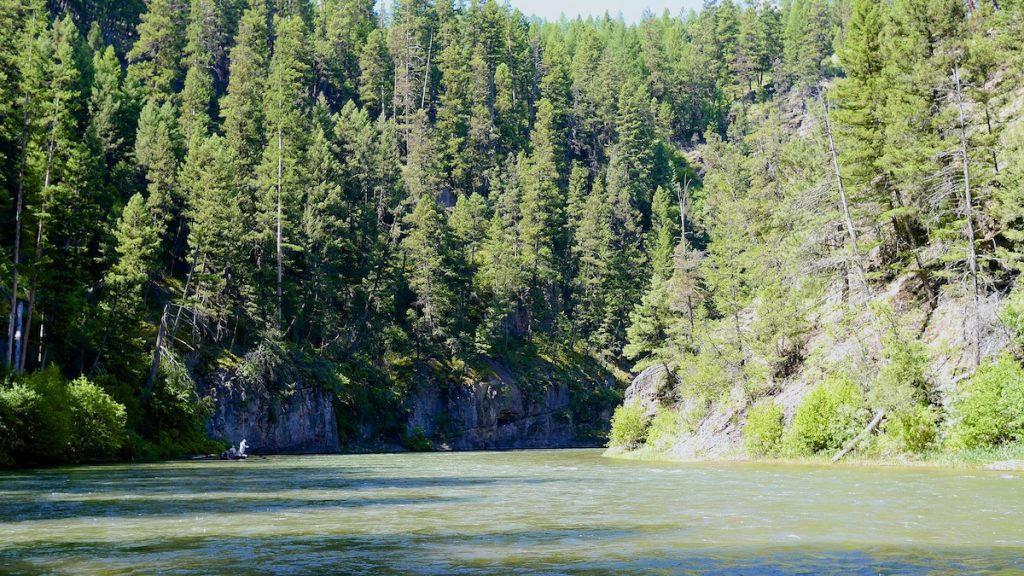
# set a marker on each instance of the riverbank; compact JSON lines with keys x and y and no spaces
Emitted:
{"x":1004,"y":458}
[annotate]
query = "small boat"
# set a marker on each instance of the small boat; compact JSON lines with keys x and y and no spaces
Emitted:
{"x":229,"y":456}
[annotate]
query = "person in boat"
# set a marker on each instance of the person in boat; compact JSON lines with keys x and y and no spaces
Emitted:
{"x":241,"y":448}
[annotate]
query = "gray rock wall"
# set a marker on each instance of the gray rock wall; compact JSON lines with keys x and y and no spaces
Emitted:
{"x":498,"y":413}
{"x":297,"y":420}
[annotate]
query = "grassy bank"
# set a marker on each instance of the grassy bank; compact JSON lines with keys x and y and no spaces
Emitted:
{"x":1009,"y":457}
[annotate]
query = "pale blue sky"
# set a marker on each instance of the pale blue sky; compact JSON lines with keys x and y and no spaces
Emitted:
{"x":631,"y":10}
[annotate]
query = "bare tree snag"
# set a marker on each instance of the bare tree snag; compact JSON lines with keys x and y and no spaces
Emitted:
{"x":972,"y":254}
{"x":860,"y":437}
{"x":850,"y":229}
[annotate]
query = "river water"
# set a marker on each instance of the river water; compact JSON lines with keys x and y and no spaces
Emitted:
{"x":538,"y":512}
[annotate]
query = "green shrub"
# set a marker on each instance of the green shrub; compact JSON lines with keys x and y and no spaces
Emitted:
{"x":175,"y":419}
{"x":831,"y":415}
{"x":99,"y":422}
{"x":629,"y":426}
{"x":416,"y":441}
{"x":1012,"y":314}
{"x":762,"y":434}
{"x":666,"y":427}
{"x":45,"y":420}
{"x":15,"y":404}
{"x":900,"y":385}
{"x":47,"y":425}
{"x":990,"y":407}
{"x":910,"y":431}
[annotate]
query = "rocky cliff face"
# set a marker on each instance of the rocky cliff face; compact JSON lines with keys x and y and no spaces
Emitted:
{"x":504,"y":411}
{"x":496,"y":412}
{"x":296,"y":420}
{"x":944,"y":328}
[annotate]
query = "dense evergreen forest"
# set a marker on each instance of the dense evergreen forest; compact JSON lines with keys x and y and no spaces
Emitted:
{"x":320,"y":191}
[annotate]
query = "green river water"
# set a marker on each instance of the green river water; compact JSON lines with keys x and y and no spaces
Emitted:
{"x":537,"y":512}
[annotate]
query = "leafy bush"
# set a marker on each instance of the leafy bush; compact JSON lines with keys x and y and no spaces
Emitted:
{"x":175,"y":415}
{"x":99,"y":422}
{"x":629,"y":426}
{"x":15,"y":404}
{"x":762,"y":434}
{"x":43,"y":419}
{"x":666,"y":427}
{"x":416,"y":441}
{"x":46,"y":424}
{"x":1012,"y":314}
{"x":831,"y":415}
{"x":991,"y":406}
{"x":900,"y":385}
{"x":910,"y":431}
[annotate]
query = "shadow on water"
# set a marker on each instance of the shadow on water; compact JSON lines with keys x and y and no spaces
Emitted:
{"x":508,"y":552}
{"x":236,"y":491}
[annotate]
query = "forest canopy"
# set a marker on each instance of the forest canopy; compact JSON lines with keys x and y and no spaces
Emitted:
{"x":322,"y":191}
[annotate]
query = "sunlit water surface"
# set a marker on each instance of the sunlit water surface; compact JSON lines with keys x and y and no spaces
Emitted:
{"x":542,"y":512}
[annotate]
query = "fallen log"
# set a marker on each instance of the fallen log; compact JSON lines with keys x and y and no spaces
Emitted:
{"x":859,"y":437}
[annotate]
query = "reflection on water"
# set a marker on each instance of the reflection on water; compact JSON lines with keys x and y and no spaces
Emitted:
{"x":545,"y":512}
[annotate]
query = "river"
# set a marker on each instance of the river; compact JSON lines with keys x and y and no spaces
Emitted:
{"x":538,"y":512}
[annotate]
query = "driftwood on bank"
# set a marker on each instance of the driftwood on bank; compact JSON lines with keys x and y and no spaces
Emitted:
{"x":857,"y":439}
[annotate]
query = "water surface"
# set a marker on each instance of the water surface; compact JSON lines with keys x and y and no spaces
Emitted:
{"x":541,"y":512}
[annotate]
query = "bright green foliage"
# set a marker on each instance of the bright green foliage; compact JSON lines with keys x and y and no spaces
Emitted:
{"x":98,"y":422}
{"x":762,"y":434}
{"x":900,"y":384}
{"x":911,"y":431}
{"x":156,"y":56}
{"x":175,"y":417}
{"x":376,"y":76}
{"x":831,"y":415}
{"x":242,"y":104}
{"x":990,"y":408}
{"x":44,"y":419}
{"x":1012,"y":315}
{"x":629,"y":426}
{"x":428,"y":249}
{"x":665,"y":428}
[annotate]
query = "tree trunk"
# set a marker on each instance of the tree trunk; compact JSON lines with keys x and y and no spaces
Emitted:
{"x":860,"y":437}
{"x":160,"y":334}
{"x":280,"y":252}
{"x":681,"y":193}
{"x":850,"y":229}
{"x":972,"y":255}
{"x":14,"y":322}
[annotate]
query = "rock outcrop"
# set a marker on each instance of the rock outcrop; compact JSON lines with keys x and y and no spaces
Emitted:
{"x":503,"y":412}
{"x":944,"y":327}
{"x":295,"y":420}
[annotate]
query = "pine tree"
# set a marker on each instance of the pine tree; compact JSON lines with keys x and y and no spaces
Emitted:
{"x":329,"y":250}
{"x":122,"y":306}
{"x":429,"y":272}
{"x":283,"y":177}
{"x":155,"y":58}
{"x":217,"y":235}
{"x":197,"y":95}
{"x":158,"y":152}
{"x":341,"y":30}
{"x":242,"y":105}
{"x":376,"y":79}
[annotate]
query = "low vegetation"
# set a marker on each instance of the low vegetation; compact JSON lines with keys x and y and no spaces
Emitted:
{"x":46,"y":420}
{"x":630,"y":425}
{"x":762,"y":433}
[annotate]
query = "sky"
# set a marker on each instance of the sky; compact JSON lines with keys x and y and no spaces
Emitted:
{"x":631,"y":10}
